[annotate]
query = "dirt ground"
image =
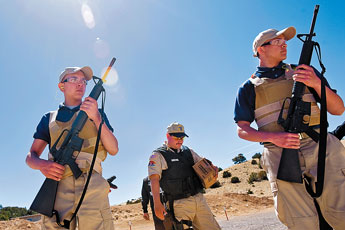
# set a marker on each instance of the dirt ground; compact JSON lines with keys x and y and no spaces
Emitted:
{"x":230,"y":199}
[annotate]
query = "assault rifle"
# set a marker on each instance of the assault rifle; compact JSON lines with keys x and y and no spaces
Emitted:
{"x":45,"y":198}
{"x":298,"y":114}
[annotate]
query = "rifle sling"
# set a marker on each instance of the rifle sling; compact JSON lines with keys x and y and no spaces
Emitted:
{"x":313,"y":134}
{"x":322,"y":147}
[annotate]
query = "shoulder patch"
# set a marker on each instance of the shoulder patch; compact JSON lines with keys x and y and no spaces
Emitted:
{"x":152,"y":163}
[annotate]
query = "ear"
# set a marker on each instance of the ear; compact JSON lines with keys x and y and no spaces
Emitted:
{"x":61,"y":87}
{"x":261,"y":50}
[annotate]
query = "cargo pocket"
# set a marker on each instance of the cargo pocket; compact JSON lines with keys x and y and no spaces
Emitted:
{"x":283,"y":213}
{"x":107,"y":219}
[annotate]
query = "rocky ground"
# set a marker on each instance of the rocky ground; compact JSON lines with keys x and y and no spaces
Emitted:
{"x":231,"y":199}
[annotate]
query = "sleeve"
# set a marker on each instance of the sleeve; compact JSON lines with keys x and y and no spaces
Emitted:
{"x":339,"y":132}
{"x":157,"y":163}
{"x":145,"y":195}
{"x":245,"y":103}
{"x":196,"y":157}
{"x":106,"y":120}
{"x":42,"y":129}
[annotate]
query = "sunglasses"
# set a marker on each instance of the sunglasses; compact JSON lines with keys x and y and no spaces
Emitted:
{"x":177,"y":138}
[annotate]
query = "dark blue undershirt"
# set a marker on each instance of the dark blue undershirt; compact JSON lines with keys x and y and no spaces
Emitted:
{"x":245,"y":100}
{"x":64,"y":115}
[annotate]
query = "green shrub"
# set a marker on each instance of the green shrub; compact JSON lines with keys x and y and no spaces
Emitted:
{"x":250,"y":191}
{"x":220,"y":169}
{"x":7,"y":213}
{"x":235,"y":179}
{"x":254,"y":162}
{"x":134,"y":201}
{"x":239,"y":159}
{"x":262,"y":175}
{"x":253,"y":177}
{"x":216,"y":185}
{"x":257,"y":155}
{"x":226,"y":174}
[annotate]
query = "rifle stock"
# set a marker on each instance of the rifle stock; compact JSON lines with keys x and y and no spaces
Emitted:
{"x":45,"y":198}
{"x":289,"y":167}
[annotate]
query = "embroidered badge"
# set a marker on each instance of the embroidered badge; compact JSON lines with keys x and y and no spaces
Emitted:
{"x":152,"y":163}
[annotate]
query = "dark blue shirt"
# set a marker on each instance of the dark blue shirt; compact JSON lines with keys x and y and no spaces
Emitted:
{"x":64,"y":115}
{"x":245,"y":101}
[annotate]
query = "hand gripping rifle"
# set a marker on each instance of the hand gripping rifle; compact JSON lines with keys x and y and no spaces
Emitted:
{"x":45,"y":198}
{"x":297,"y":120}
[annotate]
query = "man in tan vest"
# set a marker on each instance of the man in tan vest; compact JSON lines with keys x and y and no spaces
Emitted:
{"x":95,"y":210}
{"x":260,"y":98}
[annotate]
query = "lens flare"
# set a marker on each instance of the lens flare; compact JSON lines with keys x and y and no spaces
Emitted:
{"x":112,"y":77}
{"x":88,"y":17}
{"x":101,"y":48}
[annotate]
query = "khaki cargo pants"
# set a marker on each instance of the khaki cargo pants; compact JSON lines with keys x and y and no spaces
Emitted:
{"x":94,"y":213}
{"x":293,"y":205}
{"x":195,"y":209}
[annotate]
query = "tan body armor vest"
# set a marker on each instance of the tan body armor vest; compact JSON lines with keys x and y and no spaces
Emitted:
{"x":88,"y":133}
{"x":270,"y":95}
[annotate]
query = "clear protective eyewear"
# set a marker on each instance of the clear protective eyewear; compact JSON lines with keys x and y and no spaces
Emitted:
{"x":275,"y":42}
{"x":75,"y":80}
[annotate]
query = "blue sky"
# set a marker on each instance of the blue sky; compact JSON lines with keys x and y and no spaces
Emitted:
{"x":176,"y":61}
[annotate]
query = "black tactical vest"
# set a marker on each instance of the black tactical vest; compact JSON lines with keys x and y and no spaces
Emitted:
{"x":179,"y":180}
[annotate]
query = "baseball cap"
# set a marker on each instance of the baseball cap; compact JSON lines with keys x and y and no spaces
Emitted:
{"x":269,"y":34}
{"x":68,"y":70}
{"x":176,"y":129}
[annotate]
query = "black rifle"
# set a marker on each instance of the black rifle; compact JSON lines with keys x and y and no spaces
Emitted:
{"x":45,"y":198}
{"x":298,"y":112}
{"x":110,"y":180}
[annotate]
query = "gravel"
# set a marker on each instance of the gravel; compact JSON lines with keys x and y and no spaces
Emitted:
{"x":257,"y":221}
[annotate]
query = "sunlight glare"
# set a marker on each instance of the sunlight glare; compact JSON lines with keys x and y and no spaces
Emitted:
{"x":88,"y":16}
{"x":101,"y":48}
{"x":112,"y":77}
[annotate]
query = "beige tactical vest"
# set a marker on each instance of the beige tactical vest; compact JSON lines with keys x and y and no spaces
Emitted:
{"x":88,"y":133}
{"x":270,"y":95}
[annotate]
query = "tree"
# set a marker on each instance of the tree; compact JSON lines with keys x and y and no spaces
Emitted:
{"x":257,"y":155}
{"x":239,"y":159}
{"x":7,"y":213}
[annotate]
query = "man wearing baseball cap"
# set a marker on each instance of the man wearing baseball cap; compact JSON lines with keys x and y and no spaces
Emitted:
{"x":94,"y":212}
{"x":261,"y":98}
{"x":171,"y":168}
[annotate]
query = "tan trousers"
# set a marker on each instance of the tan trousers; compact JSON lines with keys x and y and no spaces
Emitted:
{"x":94,"y":212}
{"x":294,"y":206}
{"x":195,"y":209}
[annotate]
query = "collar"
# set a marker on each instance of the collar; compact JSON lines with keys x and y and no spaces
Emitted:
{"x":62,"y":106}
{"x":171,"y":149}
{"x":274,"y":72}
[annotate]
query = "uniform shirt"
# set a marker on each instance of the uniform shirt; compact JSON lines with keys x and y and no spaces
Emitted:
{"x":158,"y":163}
{"x":245,"y":101}
{"x":64,"y":115}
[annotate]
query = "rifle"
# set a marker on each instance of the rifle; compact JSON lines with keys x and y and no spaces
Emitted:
{"x":289,"y":167}
{"x":45,"y":198}
{"x":110,"y":180}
